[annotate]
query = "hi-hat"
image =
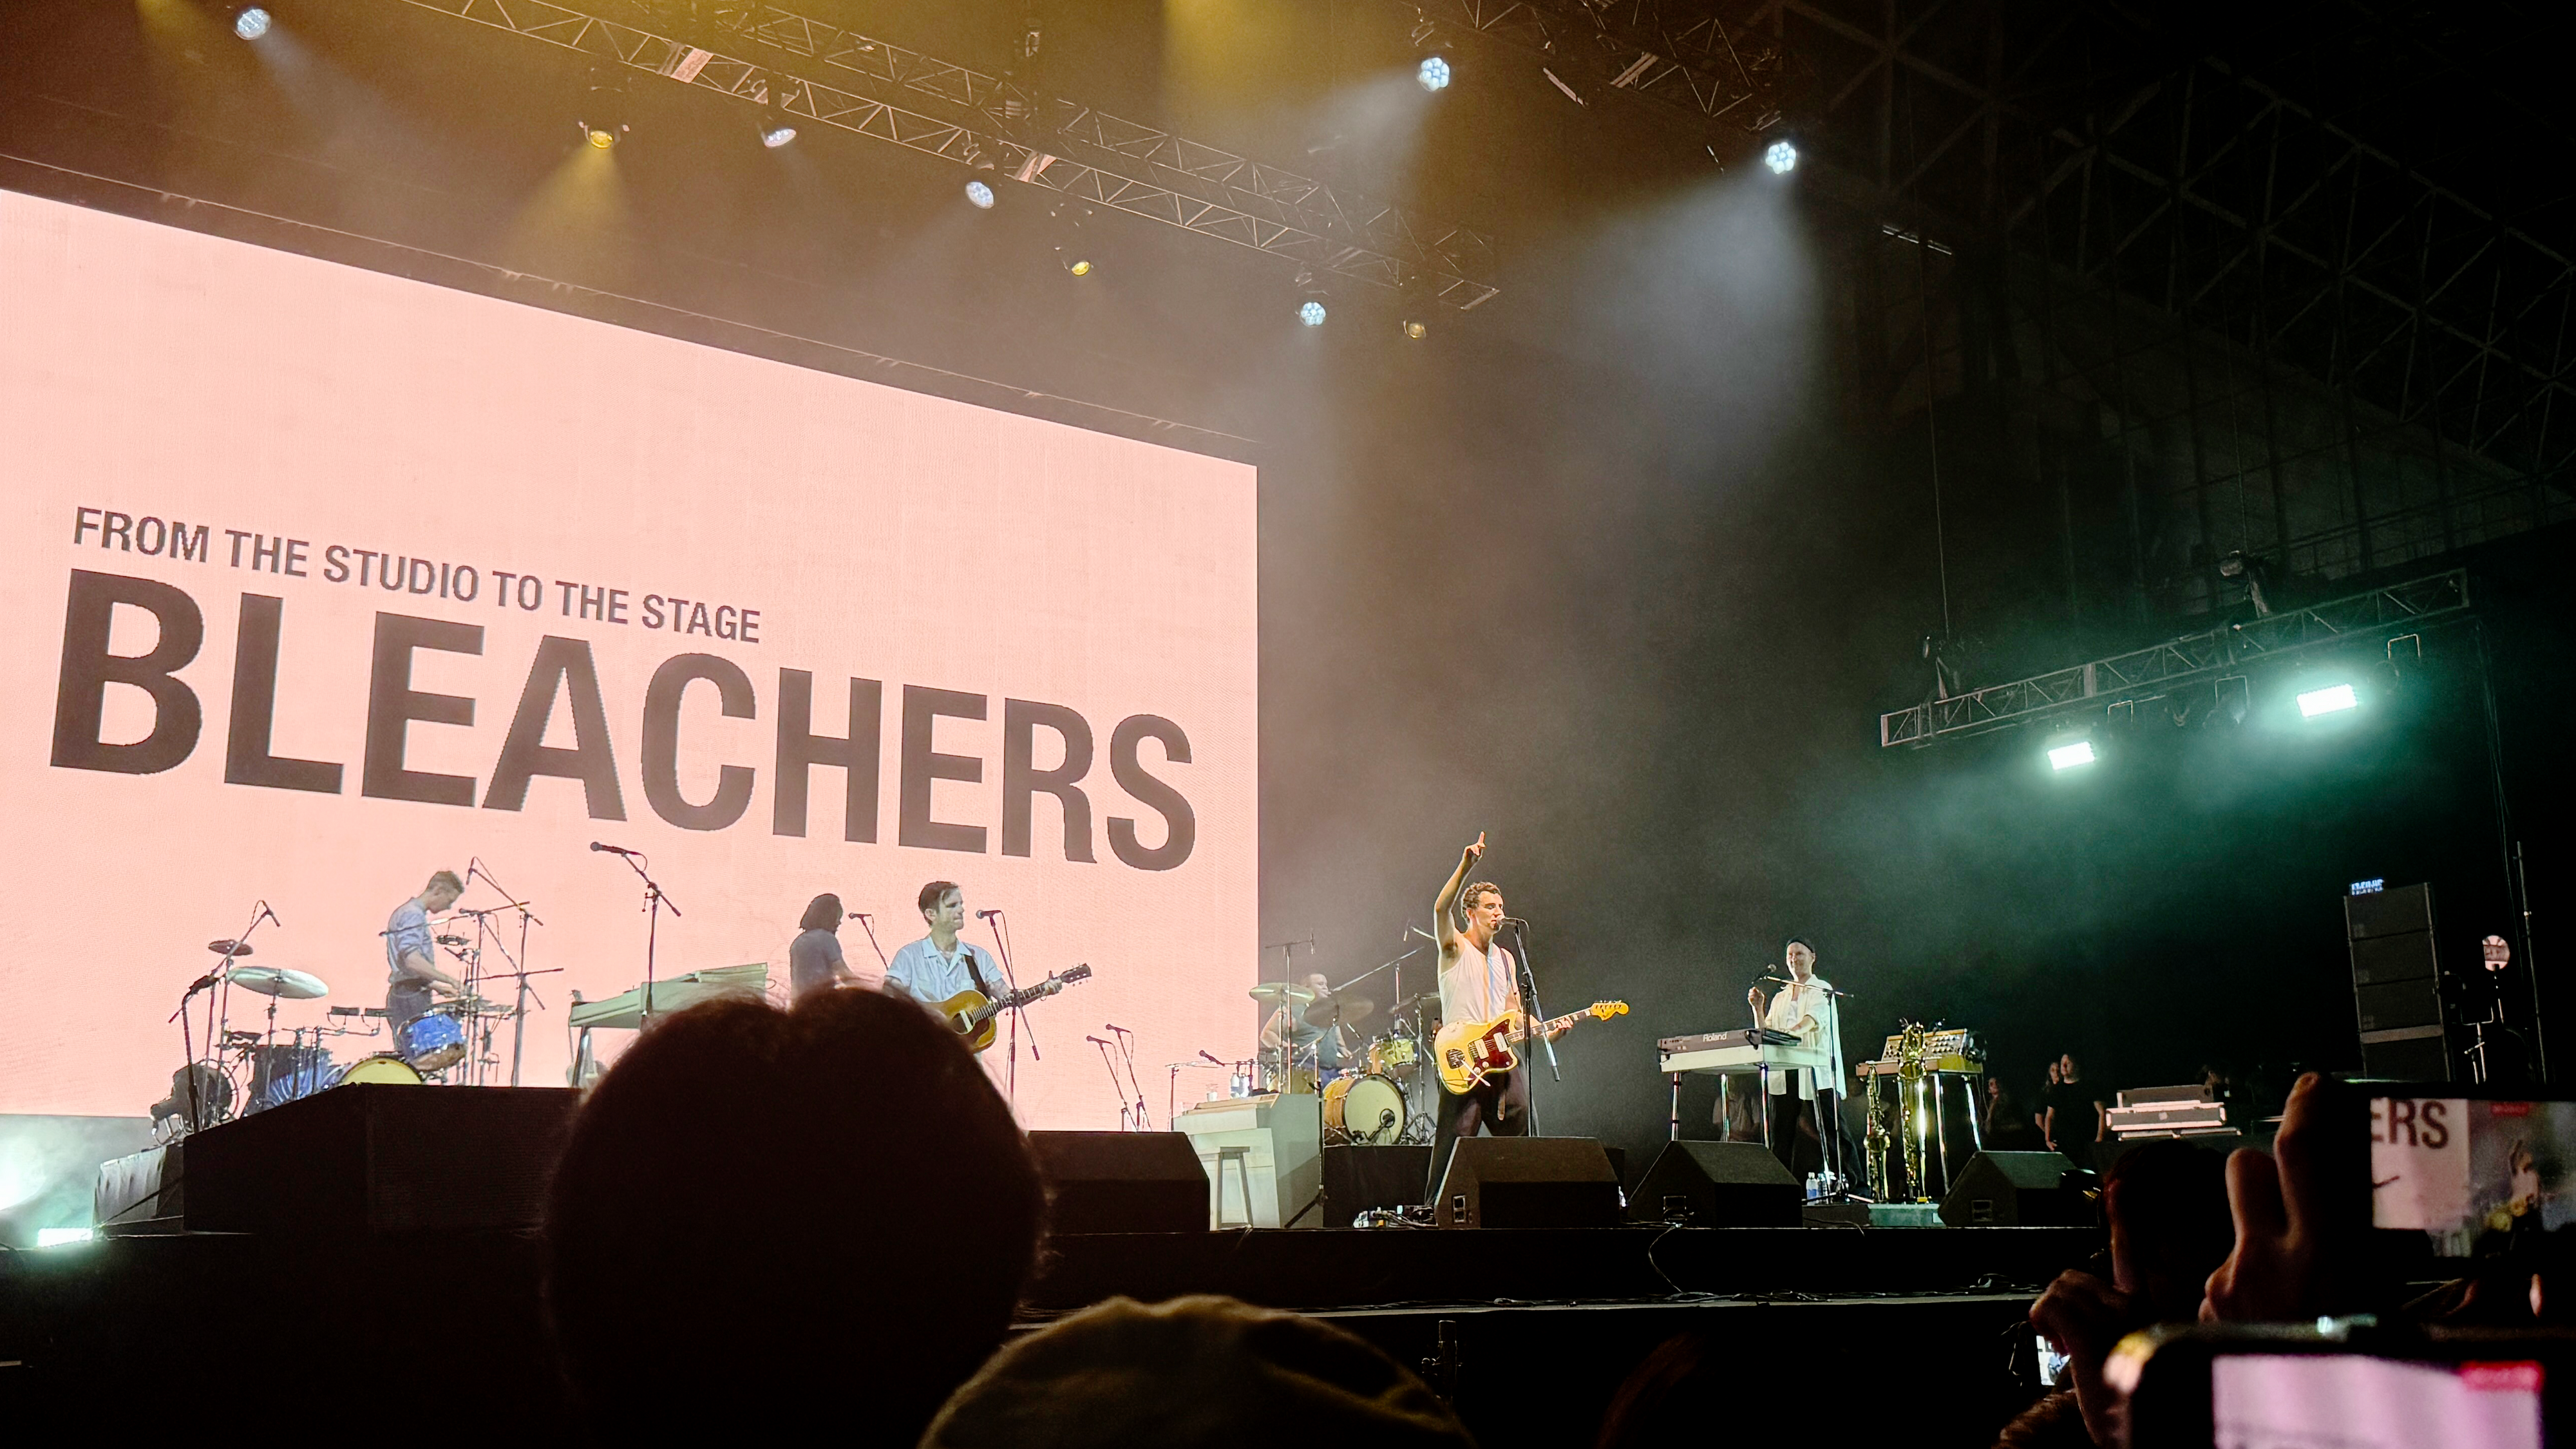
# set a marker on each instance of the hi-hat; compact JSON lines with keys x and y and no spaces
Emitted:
{"x":279,"y":981}
{"x":1276,"y":993}
{"x":1348,"y":1010}
{"x":234,"y":949}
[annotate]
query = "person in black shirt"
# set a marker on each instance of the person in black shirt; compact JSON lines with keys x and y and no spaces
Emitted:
{"x":814,"y":960}
{"x":2074,"y":1120}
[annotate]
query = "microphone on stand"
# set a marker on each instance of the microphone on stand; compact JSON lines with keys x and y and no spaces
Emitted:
{"x":1113,"y":1026}
{"x":1213,"y":1057}
{"x":986,"y":915}
{"x":272,"y":916}
{"x":1098,"y":1041}
{"x":614,"y":849}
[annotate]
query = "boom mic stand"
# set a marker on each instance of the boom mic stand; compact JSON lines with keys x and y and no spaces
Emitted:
{"x":655,"y":898}
{"x":1127,"y":1050}
{"x":518,"y":963}
{"x":220,"y":977}
{"x":862,"y":918}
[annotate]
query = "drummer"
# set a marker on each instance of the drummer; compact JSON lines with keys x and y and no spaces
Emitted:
{"x":1313,"y":1030}
{"x":411,"y":957}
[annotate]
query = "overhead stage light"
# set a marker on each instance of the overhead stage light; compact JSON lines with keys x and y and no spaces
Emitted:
{"x":2070,"y":755}
{"x":1782,"y":158}
{"x":1311,"y":313}
{"x":1433,"y":73}
{"x":1416,"y":330}
{"x":2329,"y":700}
{"x":251,"y":24}
{"x":602,"y":137}
{"x":980,"y":194}
{"x":777,"y":135}
{"x":1079,"y":266}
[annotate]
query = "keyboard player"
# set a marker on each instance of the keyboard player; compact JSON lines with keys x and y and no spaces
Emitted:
{"x":1805,"y":1111}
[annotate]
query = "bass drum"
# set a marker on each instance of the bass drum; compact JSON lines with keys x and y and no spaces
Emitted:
{"x":1366,"y":1108}
{"x":382,"y":1070}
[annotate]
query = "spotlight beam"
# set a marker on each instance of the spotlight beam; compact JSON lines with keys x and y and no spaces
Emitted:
{"x":893,"y":94}
{"x":1675,"y":55}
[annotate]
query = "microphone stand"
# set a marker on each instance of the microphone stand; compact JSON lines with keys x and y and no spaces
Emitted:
{"x":1127,"y":1049}
{"x":1532,"y":1016}
{"x":518,"y":963}
{"x":862,"y":918}
{"x":1011,"y":984}
{"x":221,"y":976}
{"x":655,"y":898}
{"x":1126,"y":1114}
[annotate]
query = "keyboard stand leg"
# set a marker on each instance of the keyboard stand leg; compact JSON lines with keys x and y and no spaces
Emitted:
{"x":1677,"y":1107}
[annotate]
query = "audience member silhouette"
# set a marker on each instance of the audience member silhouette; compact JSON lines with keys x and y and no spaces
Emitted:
{"x":776,"y":1221}
{"x":1194,"y":1373}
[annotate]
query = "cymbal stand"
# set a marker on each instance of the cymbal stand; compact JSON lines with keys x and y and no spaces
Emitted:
{"x":213,"y":983}
{"x":518,"y":960}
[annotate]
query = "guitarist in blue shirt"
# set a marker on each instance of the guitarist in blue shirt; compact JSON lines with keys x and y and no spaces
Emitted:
{"x":938,"y":966}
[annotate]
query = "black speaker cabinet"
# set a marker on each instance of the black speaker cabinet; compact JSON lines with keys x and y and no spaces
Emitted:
{"x":2396,"y":974}
{"x":1529,"y":1182}
{"x":381,"y":1158}
{"x":2020,"y":1190}
{"x":1121,"y":1182}
{"x":1718,"y":1185}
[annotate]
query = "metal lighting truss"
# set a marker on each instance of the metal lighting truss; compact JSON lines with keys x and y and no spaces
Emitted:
{"x":986,"y":122}
{"x":1681,"y":56}
{"x":2153,"y":673}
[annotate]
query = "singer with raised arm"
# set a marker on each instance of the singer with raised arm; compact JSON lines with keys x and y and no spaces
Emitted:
{"x":411,"y":956}
{"x":814,"y":961}
{"x":939,"y":966}
{"x":1805,"y":1111}
{"x":1477,"y":983}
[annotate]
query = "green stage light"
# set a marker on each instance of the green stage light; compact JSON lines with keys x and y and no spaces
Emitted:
{"x":2069,"y":756}
{"x":2332,"y":699}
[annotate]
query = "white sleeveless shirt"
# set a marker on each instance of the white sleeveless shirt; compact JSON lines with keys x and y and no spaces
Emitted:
{"x":1479,"y":985}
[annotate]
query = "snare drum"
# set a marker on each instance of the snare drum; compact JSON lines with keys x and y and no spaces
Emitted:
{"x":383,"y":1069}
{"x":1366,"y":1108}
{"x":434,"y":1040}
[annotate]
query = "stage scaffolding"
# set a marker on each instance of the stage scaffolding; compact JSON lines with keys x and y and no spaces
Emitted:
{"x":994,"y":128}
{"x":2204,"y":659}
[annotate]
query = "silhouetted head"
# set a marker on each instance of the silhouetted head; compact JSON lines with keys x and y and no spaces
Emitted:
{"x":823,"y":913}
{"x":773,"y":1219}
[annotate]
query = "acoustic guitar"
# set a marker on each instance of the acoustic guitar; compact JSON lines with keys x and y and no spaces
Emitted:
{"x":1469,"y":1052}
{"x":977,"y":1017}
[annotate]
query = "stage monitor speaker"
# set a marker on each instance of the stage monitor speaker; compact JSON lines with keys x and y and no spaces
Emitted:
{"x":1121,"y":1182}
{"x":1718,"y":1185}
{"x":2396,"y":983}
{"x":1529,"y":1182}
{"x":2020,"y":1190}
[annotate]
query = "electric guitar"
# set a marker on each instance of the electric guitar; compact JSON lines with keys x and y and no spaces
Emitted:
{"x":977,"y":1017}
{"x":1470,"y":1052}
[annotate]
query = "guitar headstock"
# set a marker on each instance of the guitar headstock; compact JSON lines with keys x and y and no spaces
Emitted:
{"x":1078,"y":973}
{"x":1604,"y":1010}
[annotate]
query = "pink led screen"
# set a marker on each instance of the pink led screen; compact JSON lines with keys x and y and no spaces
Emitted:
{"x":318,"y":580}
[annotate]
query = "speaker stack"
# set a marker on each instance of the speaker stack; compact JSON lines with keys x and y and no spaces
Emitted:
{"x":2396,"y":984}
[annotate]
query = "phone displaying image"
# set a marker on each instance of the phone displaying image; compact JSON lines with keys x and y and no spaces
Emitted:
{"x":2475,"y":1175}
{"x":2276,"y":1387}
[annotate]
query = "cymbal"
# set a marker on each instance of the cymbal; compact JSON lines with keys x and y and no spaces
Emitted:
{"x":1352,"y":1010}
{"x":1274,"y":993}
{"x":455,"y":940}
{"x":234,"y":949}
{"x":279,"y":981}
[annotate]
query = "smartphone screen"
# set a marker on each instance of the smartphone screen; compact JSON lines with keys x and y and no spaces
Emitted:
{"x":2472,"y":1174}
{"x":2352,"y":1401}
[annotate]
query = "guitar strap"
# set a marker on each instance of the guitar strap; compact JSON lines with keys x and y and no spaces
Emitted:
{"x":975,"y":970}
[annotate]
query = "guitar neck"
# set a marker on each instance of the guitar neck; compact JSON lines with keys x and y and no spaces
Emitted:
{"x":1553,"y":1024}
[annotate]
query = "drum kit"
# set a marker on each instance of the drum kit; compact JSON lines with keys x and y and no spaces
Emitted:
{"x":1369,"y":1082}
{"x":279,"y":1071}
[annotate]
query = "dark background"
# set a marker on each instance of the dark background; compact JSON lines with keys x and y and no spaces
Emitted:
{"x":1620,"y":567}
